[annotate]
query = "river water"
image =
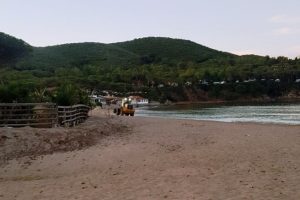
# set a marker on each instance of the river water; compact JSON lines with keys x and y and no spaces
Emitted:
{"x":266,"y":113}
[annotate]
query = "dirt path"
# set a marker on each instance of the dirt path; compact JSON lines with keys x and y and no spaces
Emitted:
{"x":167,"y":159}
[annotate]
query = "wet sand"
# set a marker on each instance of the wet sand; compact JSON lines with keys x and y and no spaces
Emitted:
{"x":165,"y":159}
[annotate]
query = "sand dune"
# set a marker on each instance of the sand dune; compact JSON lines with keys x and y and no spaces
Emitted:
{"x":163,"y":159}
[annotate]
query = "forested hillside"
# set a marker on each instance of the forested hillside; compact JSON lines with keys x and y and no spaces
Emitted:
{"x":159,"y":68}
{"x":170,"y":51}
{"x":12,"y":49}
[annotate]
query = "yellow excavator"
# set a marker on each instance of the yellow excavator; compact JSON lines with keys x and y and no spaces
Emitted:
{"x":126,"y":108}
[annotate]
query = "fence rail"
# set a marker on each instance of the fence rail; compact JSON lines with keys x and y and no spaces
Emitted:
{"x":72,"y":115}
{"x":41,"y":115}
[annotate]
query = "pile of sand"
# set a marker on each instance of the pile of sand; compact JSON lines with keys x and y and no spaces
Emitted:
{"x":32,"y":142}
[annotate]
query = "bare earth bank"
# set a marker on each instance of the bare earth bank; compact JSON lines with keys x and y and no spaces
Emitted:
{"x":165,"y":159}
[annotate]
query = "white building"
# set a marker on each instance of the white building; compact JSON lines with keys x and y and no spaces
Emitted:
{"x":138,"y":100}
{"x":98,"y":99}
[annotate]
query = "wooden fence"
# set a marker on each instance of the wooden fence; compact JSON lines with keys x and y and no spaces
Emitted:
{"x":41,"y":115}
{"x":72,"y":115}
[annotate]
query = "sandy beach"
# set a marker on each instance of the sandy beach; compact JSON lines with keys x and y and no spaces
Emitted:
{"x":151,"y":158}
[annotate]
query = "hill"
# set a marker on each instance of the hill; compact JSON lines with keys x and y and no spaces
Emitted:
{"x":168,"y":50}
{"x":130,"y":53}
{"x":12,"y":49}
{"x":77,"y":55}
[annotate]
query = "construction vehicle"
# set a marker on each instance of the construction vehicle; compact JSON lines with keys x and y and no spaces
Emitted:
{"x":126,"y":108}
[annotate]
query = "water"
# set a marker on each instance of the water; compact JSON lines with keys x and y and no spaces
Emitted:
{"x":268,"y":113}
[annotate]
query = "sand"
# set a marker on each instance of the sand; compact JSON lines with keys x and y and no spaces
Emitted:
{"x":163,"y":159}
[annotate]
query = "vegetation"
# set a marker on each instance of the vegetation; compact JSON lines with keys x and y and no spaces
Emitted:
{"x":160,"y":68}
{"x":12,"y":49}
{"x":68,"y":94}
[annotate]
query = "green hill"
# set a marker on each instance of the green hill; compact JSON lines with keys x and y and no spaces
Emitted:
{"x":77,"y":55}
{"x":130,"y":53}
{"x":12,"y":49}
{"x":168,"y":50}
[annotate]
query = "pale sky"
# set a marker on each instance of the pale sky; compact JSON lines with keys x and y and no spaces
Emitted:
{"x":263,"y":27}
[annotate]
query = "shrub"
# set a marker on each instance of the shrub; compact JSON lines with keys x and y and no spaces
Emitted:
{"x":67,"y":95}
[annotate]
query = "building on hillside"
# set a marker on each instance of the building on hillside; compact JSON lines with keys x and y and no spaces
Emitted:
{"x":97,"y":99}
{"x":138,"y":100}
{"x":188,"y":83}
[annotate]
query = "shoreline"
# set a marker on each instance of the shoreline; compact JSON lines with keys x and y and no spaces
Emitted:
{"x":165,"y":159}
{"x":251,"y":101}
{"x":226,"y":122}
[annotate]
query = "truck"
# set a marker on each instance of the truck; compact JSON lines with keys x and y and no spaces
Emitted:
{"x":126,"y":108}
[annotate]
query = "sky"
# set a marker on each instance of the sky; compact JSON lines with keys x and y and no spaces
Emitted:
{"x":262,"y":27}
